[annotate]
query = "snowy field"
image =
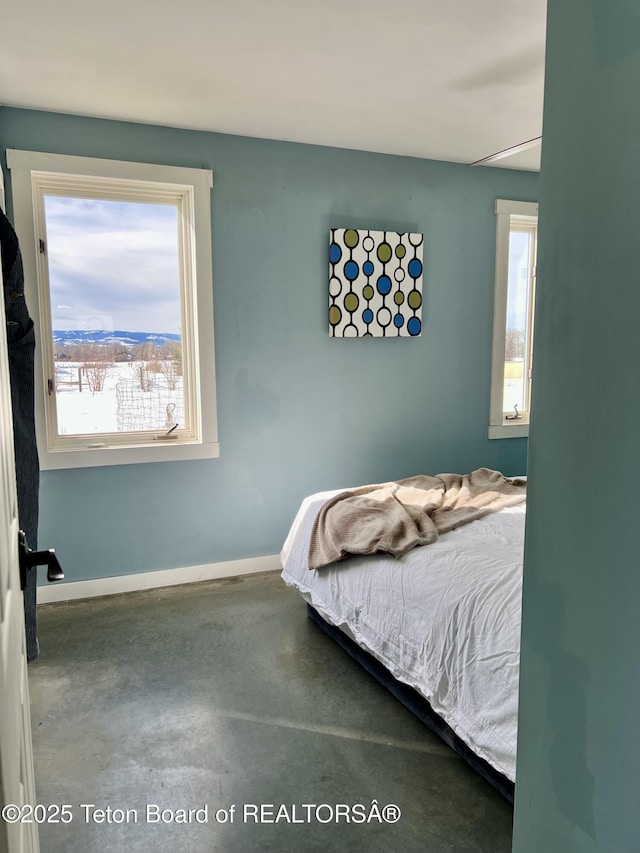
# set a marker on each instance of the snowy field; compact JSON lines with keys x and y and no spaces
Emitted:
{"x":122,"y":405}
{"x":513,"y":394}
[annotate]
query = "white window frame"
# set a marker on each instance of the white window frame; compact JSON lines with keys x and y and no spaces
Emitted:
{"x":33,"y":174}
{"x":506,"y":212}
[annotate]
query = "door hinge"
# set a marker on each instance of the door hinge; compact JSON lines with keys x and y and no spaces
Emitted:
{"x":50,"y":386}
{"x":43,"y":248}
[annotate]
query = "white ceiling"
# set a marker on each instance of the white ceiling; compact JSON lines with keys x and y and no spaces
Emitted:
{"x":456,"y":80}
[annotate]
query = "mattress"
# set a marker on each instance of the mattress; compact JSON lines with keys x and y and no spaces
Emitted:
{"x":444,"y":619}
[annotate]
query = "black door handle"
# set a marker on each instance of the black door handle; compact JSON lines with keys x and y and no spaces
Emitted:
{"x":28,"y":559}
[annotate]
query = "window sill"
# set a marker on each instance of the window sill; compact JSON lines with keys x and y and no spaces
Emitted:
{"x":510,"y":429}
{"x":94,"y":458}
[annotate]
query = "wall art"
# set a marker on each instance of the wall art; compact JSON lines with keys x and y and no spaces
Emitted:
{"x":375,"y":284}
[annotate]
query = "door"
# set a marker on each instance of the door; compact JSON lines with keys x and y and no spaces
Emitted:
{"x":16,"y":757}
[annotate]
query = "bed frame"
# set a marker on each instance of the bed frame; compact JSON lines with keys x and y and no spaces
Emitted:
{"x":417,"y":704}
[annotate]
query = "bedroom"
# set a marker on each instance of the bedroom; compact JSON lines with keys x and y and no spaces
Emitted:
{"x":282,"y":386}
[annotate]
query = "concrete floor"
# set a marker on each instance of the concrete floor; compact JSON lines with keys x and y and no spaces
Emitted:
{"x":224,"y":694}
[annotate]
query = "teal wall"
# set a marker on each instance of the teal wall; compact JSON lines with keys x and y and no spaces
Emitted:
{"x":298,"y":412}
{"x":577,"y":789}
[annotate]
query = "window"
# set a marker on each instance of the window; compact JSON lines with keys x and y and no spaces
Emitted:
{"x":118,"y":280}
{"x":511,"y":372}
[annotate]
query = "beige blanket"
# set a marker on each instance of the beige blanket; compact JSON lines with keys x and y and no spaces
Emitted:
{"x":392,"y":518}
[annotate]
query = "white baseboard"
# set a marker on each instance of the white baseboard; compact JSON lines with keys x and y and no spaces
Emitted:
{"x":152,"y":580}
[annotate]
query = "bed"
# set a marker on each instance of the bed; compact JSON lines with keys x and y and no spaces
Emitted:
{"x":440,"y":627}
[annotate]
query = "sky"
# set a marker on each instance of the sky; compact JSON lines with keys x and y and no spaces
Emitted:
{"x":112,"y":265}
{"x":518,"y":290}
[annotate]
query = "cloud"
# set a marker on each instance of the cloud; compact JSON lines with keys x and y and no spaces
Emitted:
{"x":113,"y":265}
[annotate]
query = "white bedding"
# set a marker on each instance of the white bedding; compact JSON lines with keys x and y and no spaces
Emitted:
{"x":445,"y":619}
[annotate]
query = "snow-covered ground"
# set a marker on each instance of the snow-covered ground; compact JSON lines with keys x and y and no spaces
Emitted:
{"x":513,"y":394}
{"x":122,"y":405}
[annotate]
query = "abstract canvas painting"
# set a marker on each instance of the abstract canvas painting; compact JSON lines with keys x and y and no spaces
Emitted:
{"x":375,"y":284}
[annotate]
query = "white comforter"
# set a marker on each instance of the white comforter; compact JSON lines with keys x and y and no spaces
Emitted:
{"x":445,"y":619}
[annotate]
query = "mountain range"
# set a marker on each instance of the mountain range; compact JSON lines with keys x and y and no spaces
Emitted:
{"x":119,"y":338}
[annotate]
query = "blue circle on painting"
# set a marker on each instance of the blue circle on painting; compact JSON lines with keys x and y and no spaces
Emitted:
{"x":415,"y":268}
{"x":367,"y":315}
{"x":398,"y":321}
{"x":414,"y":326}
{"x":335,"y":253}
{"x":367,"y":267}
{"x":384,"y":285}
{"x":351,"y":270}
